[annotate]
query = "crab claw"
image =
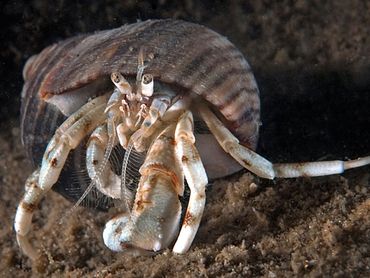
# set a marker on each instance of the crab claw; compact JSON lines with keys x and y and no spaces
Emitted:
{"x":152,"y":224}
{"x":118,"y":236}
{"x":113,"y":236}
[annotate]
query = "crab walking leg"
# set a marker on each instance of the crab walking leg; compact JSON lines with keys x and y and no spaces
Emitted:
{"x":107,"y":182}
{"x":79,"y":114}
{"x":246,"y":157}
{"x":41,"y":181}
{"x":265,"y":169}
{"x":24,"y":214}
{"x":319,"y":168}
{"x":196,"y":177}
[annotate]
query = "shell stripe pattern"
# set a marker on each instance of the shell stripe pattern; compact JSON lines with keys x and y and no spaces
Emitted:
{"x":188,"y":57}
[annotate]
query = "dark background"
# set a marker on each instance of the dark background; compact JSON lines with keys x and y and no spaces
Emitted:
{"x":311,"y":60}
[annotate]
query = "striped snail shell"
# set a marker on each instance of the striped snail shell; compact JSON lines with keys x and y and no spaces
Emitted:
{"x":187,"y":57}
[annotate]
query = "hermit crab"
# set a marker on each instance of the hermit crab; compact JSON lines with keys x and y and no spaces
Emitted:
{"x":174,"y":93}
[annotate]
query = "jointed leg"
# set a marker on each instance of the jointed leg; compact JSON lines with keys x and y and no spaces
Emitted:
{"x":319,"y":168}
{"x":196,"y":178}
{"x":156,"y":111}
{"x":247,"y":158}
{"x":264,"y":168}
{"x":107,"y":181}
{"x":23,"y":217}
{"x":66,"y":138}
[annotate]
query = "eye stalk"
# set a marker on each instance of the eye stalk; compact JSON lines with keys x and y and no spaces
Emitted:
{"x":147,"y":85}
{"x":121,"y":83}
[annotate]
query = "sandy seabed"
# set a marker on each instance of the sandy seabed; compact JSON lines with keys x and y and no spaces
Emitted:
{"x":312,"y":63}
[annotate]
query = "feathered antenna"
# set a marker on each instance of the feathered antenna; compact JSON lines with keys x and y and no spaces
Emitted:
{"x":97,"y":178}
{"x":126,"y":196}
{"x":130,"y":175}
